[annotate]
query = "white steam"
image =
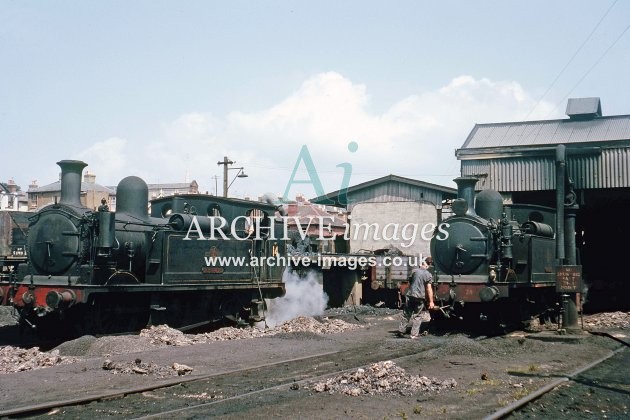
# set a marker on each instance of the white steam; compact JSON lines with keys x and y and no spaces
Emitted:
{"x":304,"y":297}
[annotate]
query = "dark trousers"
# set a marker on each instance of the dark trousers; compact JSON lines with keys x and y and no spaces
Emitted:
{"x":412,"y":312}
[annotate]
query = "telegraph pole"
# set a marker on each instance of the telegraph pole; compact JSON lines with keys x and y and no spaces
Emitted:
{"x":240,"y":174}
{"x":225,"y":164}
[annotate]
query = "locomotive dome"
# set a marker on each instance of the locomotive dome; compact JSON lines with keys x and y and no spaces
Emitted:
{"x":132,"y":196}
{"x":489,"y":204}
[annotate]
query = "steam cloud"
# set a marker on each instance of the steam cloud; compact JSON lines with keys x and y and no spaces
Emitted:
{"x":304,"y":297}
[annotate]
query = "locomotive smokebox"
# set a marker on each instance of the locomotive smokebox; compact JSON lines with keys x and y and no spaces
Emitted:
{"x":71,"y":174}
{"x":466,"y":191}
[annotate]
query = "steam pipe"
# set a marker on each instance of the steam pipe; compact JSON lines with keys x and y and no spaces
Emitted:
{"x":560,"y":176}
{"x":71,"y":173}
{"x":54,"y":298}
{"x":569,"y":230}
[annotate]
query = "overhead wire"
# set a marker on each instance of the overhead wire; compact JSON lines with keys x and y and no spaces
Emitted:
{"x":595,"y":64}
{"x":570,"y":61}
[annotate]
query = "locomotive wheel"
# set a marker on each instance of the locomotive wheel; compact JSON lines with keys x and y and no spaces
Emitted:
{"x":118,"y":314}
{"x":52,"y":328}
{"x":185,"y":309}
{"x":59,"y":326}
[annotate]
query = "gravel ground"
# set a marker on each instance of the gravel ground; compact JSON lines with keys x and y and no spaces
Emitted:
{"x":6,"y":316}
{"x":602,"y":392}
{"x":16,"y":359}
{"x":447,"y":376}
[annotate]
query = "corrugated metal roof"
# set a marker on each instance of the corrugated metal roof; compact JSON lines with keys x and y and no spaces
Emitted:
{"x":390,"y":188}
{"x":520,"y":156}
{"x":550,"y":132}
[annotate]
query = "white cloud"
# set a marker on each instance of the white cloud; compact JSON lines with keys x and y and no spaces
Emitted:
{"x":107,"y":159}
{"x":415,"y":137}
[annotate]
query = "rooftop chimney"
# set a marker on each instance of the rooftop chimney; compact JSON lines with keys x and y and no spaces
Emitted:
{"x":89,"y":178}
{"x":12,"y":186}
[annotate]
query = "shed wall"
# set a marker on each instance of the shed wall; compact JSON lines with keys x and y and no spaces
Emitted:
{"x":394,"y":224}
{"x":394,"y":191}
{"x":610,"y":169}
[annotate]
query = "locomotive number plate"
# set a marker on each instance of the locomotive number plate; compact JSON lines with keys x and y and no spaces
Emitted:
{"x":569,"y":279}
{"x":212,"y":270}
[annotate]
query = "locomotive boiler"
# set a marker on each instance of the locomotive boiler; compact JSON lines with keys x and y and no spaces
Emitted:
{"x":495,"y":262}
{"x":101,"y":271}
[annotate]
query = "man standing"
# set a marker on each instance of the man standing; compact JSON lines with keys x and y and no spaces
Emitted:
{"x":419,"y":295}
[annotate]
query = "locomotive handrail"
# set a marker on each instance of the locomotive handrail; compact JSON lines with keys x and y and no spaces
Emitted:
{"x":154,"y":226}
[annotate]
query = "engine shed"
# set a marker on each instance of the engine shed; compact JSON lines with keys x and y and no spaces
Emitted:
{"x":374,"y":207}
{"x":519,"y":159}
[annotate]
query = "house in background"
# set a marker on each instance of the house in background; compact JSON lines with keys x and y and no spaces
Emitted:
{"x":92,"y":193}
{"x":324,"y":225}
{"x":12,"y":198}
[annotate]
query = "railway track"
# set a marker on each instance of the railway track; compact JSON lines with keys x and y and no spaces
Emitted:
{"x":520,"y":406}
{"x":264,"y":378}
{"x":110,"y":396}
{"x":279,"y":391}
{"x":276,"y":381}
{"x":241,"y":390}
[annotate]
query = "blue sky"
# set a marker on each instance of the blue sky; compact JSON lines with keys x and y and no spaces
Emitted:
{"x":165,"y":89}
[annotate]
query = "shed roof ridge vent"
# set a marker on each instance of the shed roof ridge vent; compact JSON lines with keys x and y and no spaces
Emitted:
{"x":584,"y":108}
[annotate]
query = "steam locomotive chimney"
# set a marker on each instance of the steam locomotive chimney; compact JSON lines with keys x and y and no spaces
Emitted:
{"x":71,"y":171}
{"x":466,"y":191}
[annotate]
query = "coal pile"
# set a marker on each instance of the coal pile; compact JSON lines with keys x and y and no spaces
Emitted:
{"x":381,"y":378}
{"x":7,"y":316}
{"x":139,"y":368}
{"x":362,"y":310}
{"x":89,"y":345}
{"x":615,"y":320}
{"x":309,"y":324}
{"x":15,"y":359}
{"x":165,"y":335}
